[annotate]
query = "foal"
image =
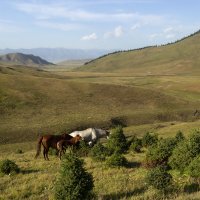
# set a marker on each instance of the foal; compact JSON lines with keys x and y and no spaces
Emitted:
{"x":48,"y":141}
{"x":63,"y":144}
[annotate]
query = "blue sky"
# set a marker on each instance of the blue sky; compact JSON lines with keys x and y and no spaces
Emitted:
{"x":98,"y":24}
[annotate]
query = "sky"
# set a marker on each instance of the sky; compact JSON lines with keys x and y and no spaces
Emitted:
{"x":96,"y":24}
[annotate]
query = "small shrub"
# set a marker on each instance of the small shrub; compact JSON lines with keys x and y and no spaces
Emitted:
{"x":136,"y":145}
{"x":8,"y":167}
{"x":98,"y":152}
{"x":159,"y":178}
{"x":194,"y":169}
{"x":83,"y":149}
{"x":158,"y":154}
{"x":181,"y":156}
{"x":116,"y":160}
{"x":185,"y":152}
{"x":179,"y":137}
{"x":74,"y":181}
{"x":149,"y":139}
{"x":117,"y":141}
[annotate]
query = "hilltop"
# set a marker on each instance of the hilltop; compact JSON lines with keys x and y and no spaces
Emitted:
{"x":23,"y":59}
{"x":181,"y":57}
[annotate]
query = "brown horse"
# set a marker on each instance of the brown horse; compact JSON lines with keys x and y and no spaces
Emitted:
{"x":48,"y":141}
{"x":63,"y":144}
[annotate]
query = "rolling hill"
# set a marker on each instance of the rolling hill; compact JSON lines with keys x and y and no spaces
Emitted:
{"x":181,"y":57}
{"x":35,"y":102}
{"x":23,"y":59}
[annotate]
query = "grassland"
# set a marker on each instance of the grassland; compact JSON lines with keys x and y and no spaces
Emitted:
{"x":150,"y":93}
{"x":177,"y":58}
{"x":37,"y":178}
{"x":35,"y":102}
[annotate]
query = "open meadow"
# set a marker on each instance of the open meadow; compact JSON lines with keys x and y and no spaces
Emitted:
{"x":35,"y":102}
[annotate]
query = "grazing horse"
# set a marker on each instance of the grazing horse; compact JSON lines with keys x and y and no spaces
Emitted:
{"x":91,"y":135}
{"x":63,"y":144}
{"x":48,"y":141}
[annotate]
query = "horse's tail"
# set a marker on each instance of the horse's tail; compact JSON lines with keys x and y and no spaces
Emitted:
{"x":39,"y":146}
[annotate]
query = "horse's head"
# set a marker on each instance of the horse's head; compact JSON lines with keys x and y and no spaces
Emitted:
{"x":66,"y":136}
{"x":78,"y":138}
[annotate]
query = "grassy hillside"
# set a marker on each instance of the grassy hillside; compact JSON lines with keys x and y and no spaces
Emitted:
{"x":23,"y":59}
{"x":178,"y":58}
{"x":35,"y":102}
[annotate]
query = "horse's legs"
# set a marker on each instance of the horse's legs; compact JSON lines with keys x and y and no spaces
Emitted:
{"x":47,"y":150}
{"x":44,"y":153}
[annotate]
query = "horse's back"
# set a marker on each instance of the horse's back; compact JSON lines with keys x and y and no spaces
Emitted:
{"x":85,"y":134}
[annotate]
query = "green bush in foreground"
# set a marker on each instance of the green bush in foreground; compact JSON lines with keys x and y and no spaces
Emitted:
{"x":8,"y":167}
{"x":194,"y":169}
{"x":159,"y":178}
{"x":83,"y":149}
{"x":149,"y":139}
{"x":185,"y":152}
{"x":98,"y":152}
{"x":158,"y":154}
{"x":117,"y":141}
{"x":116,"y":160}
{"x":136,"y":145}
{"x":74,"y":181}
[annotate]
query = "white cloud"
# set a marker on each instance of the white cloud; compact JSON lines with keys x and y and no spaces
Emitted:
{"x":92,"y":36}
{"x":58,"y":10}
{"x":117,"y":32}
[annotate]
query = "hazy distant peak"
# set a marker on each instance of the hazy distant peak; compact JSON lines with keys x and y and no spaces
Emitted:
{"x":23,"y":59}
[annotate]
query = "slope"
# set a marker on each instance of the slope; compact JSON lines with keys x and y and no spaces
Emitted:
{"x":34,"y":102}
{"x":23,"y":59}
{"x":181,"y":57}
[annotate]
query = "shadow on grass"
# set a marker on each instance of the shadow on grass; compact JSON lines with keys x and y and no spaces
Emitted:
{"x":123,"y":195}
{"x":133,"y":164}
{"x":194,"y":187}
{"x":29,"y":171}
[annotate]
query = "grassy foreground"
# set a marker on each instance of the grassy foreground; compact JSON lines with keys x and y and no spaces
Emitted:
{"x":37,"y":178}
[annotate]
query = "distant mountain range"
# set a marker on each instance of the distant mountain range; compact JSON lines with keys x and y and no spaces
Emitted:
{"x":23,"y":59}
{"x":59,"y":54}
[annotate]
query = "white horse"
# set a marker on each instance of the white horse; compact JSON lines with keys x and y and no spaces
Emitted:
{"x":91,"y":135}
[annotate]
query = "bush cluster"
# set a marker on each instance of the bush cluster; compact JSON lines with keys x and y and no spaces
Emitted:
{"x":185,"y":152}
{"x":99,"y":152}
{"x":136,"y":144}
{"x":83,"y":149}
{"x":116,"y":160}
{"x":159,"y":153}
{"x":194,"y":169}
{"x":159,"y":178}
{"x":149,"y":139}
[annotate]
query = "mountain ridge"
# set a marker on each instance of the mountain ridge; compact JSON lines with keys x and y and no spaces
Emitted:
{"x":178,"y":57}
{"x":23,"y":59}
